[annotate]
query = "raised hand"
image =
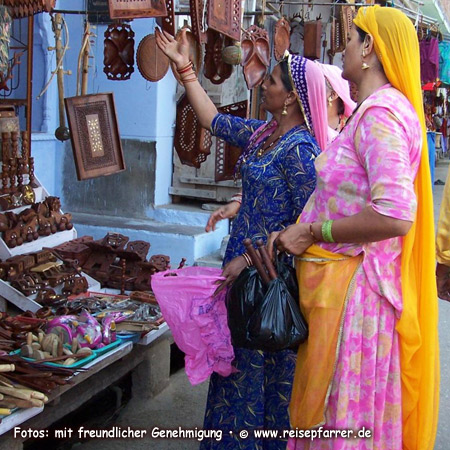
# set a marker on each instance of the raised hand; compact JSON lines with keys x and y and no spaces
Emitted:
{"x":176,"y":51}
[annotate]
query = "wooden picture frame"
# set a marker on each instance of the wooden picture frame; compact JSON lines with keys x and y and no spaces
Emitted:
{"x":95,"y":137}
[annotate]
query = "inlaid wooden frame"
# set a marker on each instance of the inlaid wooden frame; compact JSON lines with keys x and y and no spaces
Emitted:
{"x":94,"y":133}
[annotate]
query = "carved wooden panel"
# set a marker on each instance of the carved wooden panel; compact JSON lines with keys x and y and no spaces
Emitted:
{"x":118,"y":55}
{"x":226,"y":154}
{"x":225,"y":16}
{"x":132,"y":9}
{"x":167,"y":23}
{"x":152,"y":63}
{"x":192,"y":142}
{"x":24,"y":8}
{"x":95,"y":135}
{"x":197,"y":9}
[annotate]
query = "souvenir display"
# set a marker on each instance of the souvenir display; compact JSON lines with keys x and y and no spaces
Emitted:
{"x":167,"y":23}
{"x":196,"y":8}
{"x":255,"y":55}
{"x":312,"y":39}
{"x":133,"y":9}
{"x":281,"y":38}
{"x":226,"y":154}
{"x":119,"y":52}
{"x":224,"y":16}
{"x":94,"y":133}
{"x":192,"y":142}
{"x":152,"y":63}
{"x":215,"y":69}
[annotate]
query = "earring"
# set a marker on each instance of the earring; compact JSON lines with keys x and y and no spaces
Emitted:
{"x":330,"y":100}
{"x":284,"y":112}
{"x":365,"y":66}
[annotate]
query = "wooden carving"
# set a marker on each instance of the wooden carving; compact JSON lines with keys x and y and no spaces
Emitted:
{"x":226,"y":154}
{"x":255,"y":55}
{"x":196,"y":8}
{"x":215,"y":69}
{"x":24,"y":8}
{"x":152,"y":63}
{"x":167,"y":23}
{"x":281,"y":38}
{"x":118,"y":55}
{"x":95,"y":135}
{"x":133,"y":9}
{"x":192,"y":142}
{"x":225,"y":16}
{"x":312,"y":39}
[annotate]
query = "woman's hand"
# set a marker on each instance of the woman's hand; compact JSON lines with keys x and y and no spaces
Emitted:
{"x":231,"y":271}
{"x":443,"y":281}
{"x":295,"y":239}
{"x":176,"y":51}
{"x":224,"y":212}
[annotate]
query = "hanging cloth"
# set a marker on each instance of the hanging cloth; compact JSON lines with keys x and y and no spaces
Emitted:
{"x":396,"y":46}
{"x":444,"y":62}
{"x":429,"y":60}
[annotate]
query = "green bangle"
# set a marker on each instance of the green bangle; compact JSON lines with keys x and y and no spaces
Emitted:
{"x":326,"y":231}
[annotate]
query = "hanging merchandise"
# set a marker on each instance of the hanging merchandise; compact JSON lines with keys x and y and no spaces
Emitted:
{"x":152,"y":63}
{"x":167,"y":23}
{"x":196,"y":8}
{"x":118,"y":56}
{"x":226,"y":154}
{"x":444,"y":62}
{"x":313,"y":40}
{"x":24,"y":8}
{"x":133,"y":9}
{"x":192,"y":141}
{"x":215,"y":69}
{"x":83,"y":60}
{"x":195,"y":54}
{"x":429,"y":59}
{"x":255,"y":55}
{"x":225,"y":16}
{"x":281,"y":38}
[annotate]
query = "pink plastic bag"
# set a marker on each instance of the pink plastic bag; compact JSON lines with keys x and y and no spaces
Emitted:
{"x":198,"y":320}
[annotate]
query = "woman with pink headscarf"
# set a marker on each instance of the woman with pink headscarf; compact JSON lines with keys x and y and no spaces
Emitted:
{"x":340,"y":106}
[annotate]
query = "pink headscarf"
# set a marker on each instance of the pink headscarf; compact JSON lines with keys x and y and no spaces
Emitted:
{"x":317,"y":98}
{"x":342,"y":88}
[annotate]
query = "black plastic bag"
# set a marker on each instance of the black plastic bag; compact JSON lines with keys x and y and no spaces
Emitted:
{"x":266,"y":317}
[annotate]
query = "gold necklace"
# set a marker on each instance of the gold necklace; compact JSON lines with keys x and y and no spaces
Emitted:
{"x":263,"y":150}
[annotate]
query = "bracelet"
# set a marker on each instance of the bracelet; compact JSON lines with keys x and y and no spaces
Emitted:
{"x":248,"y":259}
{"x":326,"y":231}
{"x":187,"y":66}
{"x":188,"y":75}
{"x":236,"y":198}
{"x":190,"y":80}
{"x":311,"y":232}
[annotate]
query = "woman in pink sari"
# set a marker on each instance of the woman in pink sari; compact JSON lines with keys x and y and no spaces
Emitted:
{"x":365,"y":260}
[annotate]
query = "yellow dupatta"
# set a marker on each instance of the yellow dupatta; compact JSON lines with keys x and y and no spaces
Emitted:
{"x":397,"y":48}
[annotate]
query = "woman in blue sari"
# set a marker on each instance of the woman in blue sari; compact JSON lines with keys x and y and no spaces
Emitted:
{"x":278,"y":176}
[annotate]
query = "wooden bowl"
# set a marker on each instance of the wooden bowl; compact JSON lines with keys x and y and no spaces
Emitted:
{"x":152,"y":63}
